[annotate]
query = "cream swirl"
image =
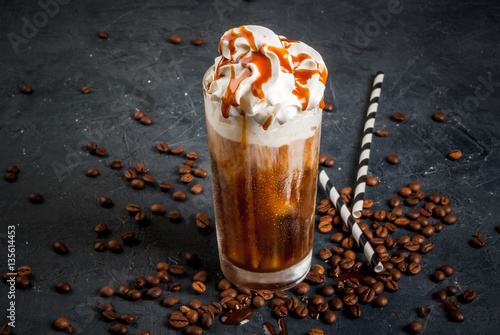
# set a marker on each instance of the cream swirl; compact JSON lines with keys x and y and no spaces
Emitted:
{"x":266,"y":76}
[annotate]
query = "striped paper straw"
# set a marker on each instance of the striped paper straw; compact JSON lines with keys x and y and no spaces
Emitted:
{"x":356,"y":231}
{"x":359,"y":190}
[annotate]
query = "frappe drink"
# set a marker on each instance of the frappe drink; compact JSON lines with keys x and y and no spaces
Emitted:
{"x":263,"y":105}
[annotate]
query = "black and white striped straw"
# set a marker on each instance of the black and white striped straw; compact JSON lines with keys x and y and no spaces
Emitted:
{"x":359,"y":190}
{"x":356,"y":231}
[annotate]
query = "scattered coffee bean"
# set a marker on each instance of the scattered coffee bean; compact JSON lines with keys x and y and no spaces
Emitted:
{"x":105,"y":202}
{"x":103,"y":35}
{"x":371,"y":181}
{"x":123,"y":290}
{"x":85,"y":89}
{"x":455,"y":155}
{"x":452,"y":290}
{"x":381,"y":301}
{"x":355,"y":311}
{"x":101,"y":152}
{"x":118,"y":329}
{"x":447,"y":270}
{"x":22,"y":282}
{"x":107,"y":291}
{"x":457,"y":316}
{"x":393,"y":159}
{"x":196,"y":189}
{"x":92,"y":172}
{"x":176,"y":150}
{"x":202,"y":221}
{"x":154,"y":292}
{"x":108,"y":315}
{"x":179,"y":196}
{"x":382,"y":133}
{"x":302,"y":288}
{"x":105,"y":306}
{"x":162,"y":147}
{"x":165,"y":186}
{"x":469,"y":296}
{"x":24,"y":270}
{"x":399,"y":116}
{"x":35,"y":198}
{"x":60,"y":248}
{"x":175,"y":39}
{"x":478,"y":241}
{"x":149,"y":179}
{"x":423,"y":310}
{"x":442,"y":295}
{"x":438,"y":117}
{"x":187,"y":178}
{"x":127,"y":318}
{"x":201,"y":173}
{"x":177,"y":270}
{"x":194,"y":330}
{"x":114,"y":246}
{"x":328,"y":106}
{"x":170,"y":301}
{"x":63,"y":287}
{"x":452,"y":304}
{"x":146,"y":120}
{"x":115,"y":165}
{"x":134,"y":295}
{"x":138,"y":115}
{"x":416,"y":327}
{"x":99,"y":246}
{"x":157,"y":209}
{"x":330,"y":162}
{"x":61,"y":323}
{"x":26,"y":89}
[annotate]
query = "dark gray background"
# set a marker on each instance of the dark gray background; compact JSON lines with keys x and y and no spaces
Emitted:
{"x":437,"y":55}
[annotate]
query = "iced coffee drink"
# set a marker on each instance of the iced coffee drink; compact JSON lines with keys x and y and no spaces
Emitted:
{"x":263,"y":104}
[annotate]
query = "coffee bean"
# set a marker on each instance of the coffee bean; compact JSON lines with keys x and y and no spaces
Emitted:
{"x":185,"y":169}
{"x":441,"y":295}
{"x":149,"y":179}
{"x":438,"y":117}
{"x":103,"y":35}
{"x":134,"y":295}
{"x":170,"y":301}
{"x":130,"y":174}
{"x":330,"y":162}
{"x":179,"y":196}
{"x":63,"y":287}
{"x":381,"y":301}
{"x":469,"y":295}
{"x":165,"y":186}
{"x":393,"y":159}
{"x":327,"y":290}
{"x":177,"y":270}
{"x":108,"y":315}
{"x":60,"y":323}
{"x":175,"y":39}
{"x":281,"y":311}
{"x":355,"y":311}
{"x":447,"y":269}
{"x":399,"y":116}
{"x":176,"y":150}
{"x":26,"y":89}
{"x":105,"y":306}
{"x":35,"y":198}
{"x":101,"y":229}
{"x":60,"y":248}
{"x":101,"y":152}
{"x":416,"y":327}
{"x":24,"y":270}
{"x":107,"y":291}
{"x":202,"y":221}
{"x":196,"y":189}
{"x":105,"y":202}
{"x":99,"y":246}
{"x":405,"y":192}
{"x":454,"y":155}
{"x":478,"y":241}
{"x":115,"y":165}
{"x":395,"y":202}
{"x":452,"y":290}
{"x":128,"y":238}
{"x":127,"y":318}
{"x":92,"y":172}
{"x":414,"y":268}
{"x":118,"y":329}
{"x":301,"y":311}
{"x":114,"y":246}
{"x":22,"y":282}
{"x":123,"y":290}
{"x":10,"y":177}
{"x":457,"y":316}
{"x":452,"y":304}
{"x":140,"y":168}
{"x":427,"y":247}
{"x":302,"y":288}
{"x":199,"y":287}
{"x":146,"y":120}
{"x":200,"y":173}
{"x":194,"y":330}
{"x":85,"y":89}
{"x":138,"y":115}
{"x":154,"y":292}
{"x":382,"y":133}
{"x":133,"y":209}
{"x":328,"y":106}
{"x":187,"y":178}
{"x":371,"y":181}
{"x":6,"y":330}
{"x":162,"y":147}
{"x":258,"y":302}
{"x":157,"y":209}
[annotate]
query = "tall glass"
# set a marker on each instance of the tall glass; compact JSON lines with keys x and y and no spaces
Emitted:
{"x":264,"y":190}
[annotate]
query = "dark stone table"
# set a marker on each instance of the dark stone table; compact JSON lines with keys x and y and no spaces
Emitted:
{"x":436,"y":56}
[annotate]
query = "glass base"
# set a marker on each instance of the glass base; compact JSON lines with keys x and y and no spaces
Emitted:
{"x":280,"y":280}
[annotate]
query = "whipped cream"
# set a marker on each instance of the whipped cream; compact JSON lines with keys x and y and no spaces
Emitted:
{"x":265,"y":76}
